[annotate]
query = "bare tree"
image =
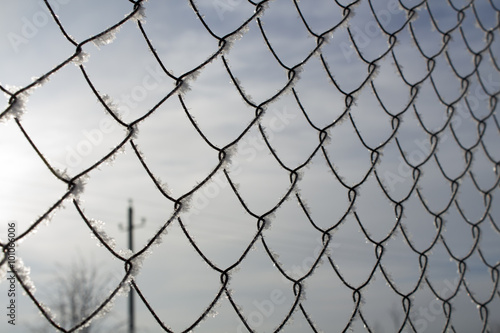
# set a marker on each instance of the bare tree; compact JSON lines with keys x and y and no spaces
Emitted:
{"x":75,"y":293}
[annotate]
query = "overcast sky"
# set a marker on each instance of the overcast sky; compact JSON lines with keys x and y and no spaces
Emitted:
{"x":73,"y":130}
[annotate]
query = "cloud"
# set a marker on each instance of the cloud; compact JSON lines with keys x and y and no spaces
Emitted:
{"x":71,"y":127}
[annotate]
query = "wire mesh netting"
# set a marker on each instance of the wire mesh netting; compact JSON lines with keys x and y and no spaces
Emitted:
{"x":344,"y":149}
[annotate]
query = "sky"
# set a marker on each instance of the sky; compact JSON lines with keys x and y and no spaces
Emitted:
{"x":425,"y":97}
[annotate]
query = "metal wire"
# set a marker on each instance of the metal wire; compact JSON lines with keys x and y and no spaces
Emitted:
{"x":483,"y":120}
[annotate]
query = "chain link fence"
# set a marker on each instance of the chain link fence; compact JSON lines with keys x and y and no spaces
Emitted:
{"x":347,"y":149}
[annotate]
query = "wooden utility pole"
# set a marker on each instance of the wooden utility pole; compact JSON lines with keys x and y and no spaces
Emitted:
{"x":130,"y":228}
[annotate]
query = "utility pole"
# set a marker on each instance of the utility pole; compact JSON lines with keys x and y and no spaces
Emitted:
{"x":130,"y":229}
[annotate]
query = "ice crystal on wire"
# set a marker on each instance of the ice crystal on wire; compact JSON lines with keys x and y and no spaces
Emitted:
{"x":18,"y":102}
{"x":184,"y":85}
{"x":160,"y":233}
{"x":268,"y":220}
{"x":236,"y":36}
{"x":230,"y":151}
{"x":23,"y":274}
{"x":374,"y":74}
{"x":234,"y":270}
{"x":303,"y":294}
{"x":213,"y":311}
{"x":104,"y":311}
{"x":138,"y":261}
{"x":78,"y":186}
{"x":111,"y":159}
{"x":327,"y":139}
{"x":318,"y":52}
{"x":163,"y":185}
{"x":276,"y":258}
{"x":264,"y":6}
{"x":297,"y":71}
{"x":40,"y":81}
{"x":139,"y":15}
{"x":124,"y":287}
{"x":246,"y":96}
{"x":185,"y":204}
{"x":113,"y":107}
{"x":135,"y":132}
{"x":98,"y":227}
{"x":80,"y":58}
{"x":105,"y":38}
{"x":127,"y":253}
{"x":18,"y":107}
{"x":48,"y":311}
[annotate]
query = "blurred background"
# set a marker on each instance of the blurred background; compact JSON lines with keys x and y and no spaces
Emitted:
{"x":308,"y":166}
